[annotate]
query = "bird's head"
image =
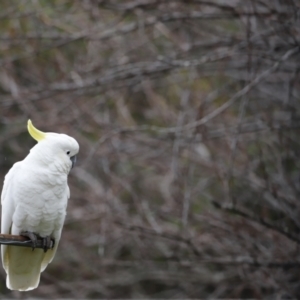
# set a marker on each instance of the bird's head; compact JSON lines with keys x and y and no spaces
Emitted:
{"x":54,"y":147}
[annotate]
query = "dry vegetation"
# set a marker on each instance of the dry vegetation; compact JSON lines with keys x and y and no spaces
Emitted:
{"x":188,"y":116}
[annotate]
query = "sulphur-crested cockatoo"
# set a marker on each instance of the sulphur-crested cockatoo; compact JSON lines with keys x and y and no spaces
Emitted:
{"x":34,"y":200}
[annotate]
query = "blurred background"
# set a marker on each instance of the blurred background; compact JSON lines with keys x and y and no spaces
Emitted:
{"x":188,"y":115}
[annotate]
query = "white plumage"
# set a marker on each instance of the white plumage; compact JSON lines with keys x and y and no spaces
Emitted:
{"x":34,"y":199}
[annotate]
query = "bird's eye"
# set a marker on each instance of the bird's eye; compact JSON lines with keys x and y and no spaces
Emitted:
{"x":68,"y":152}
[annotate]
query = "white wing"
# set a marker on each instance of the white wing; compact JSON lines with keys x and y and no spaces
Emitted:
{"x":17,"y":258}
{"x":49,"y":255}
{"x":7,"y":209}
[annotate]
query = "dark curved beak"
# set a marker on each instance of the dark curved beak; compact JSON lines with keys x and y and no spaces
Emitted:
{"x":73,"y":160}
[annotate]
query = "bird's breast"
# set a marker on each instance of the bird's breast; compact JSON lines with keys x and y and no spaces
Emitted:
{"x":40,"y":204}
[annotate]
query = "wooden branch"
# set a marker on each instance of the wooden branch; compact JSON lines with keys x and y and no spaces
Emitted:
{"x":22,"y":241}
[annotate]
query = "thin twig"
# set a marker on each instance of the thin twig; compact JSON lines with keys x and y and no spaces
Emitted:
{"x":256,"y":219}
{"x":169,"y":236}
{"x":22,"y":241}
{"x":237,"y":95}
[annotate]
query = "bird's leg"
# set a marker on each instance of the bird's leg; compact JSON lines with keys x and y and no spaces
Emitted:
{"x":48,"y":243}
{"x":32,"y":236}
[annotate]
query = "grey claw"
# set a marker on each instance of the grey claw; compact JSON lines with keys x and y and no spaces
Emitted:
{"x":32,"y":236}
{"x":46,"y":243}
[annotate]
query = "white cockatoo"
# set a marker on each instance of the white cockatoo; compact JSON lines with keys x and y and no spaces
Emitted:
{"x":34,"y":201}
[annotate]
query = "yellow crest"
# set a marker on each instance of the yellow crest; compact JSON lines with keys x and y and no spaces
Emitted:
{"x":35,"y":133}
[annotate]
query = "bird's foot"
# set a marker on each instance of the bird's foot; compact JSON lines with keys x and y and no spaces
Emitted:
{"x":32,"y":236}
{"x":48,"y":243}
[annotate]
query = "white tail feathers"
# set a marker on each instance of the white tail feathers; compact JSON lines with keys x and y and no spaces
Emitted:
{"x":23,"y":268}
{"x":22,"y":282}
